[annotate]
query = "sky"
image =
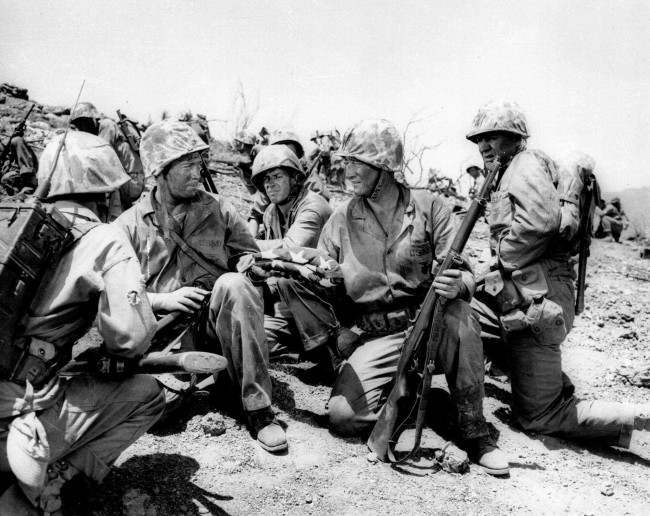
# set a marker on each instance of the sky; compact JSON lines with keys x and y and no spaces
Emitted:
{"x":579,"y":69}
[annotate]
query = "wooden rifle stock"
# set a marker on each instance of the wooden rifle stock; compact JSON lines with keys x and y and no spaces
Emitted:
{"x":188,"y":362}
{"x":426,"y":330}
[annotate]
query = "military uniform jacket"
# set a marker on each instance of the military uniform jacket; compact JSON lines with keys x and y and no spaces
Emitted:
{"x":97,"y":279}
{"x":210,"y":225}
{"x":384,"y":272}
{"x":524,"y":213}
{"x":302,"y":226}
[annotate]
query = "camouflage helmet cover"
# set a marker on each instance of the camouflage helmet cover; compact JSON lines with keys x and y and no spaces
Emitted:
{"x":245,"y":137}
{"x":494,"y":116}
{"x":165,"y":142}
{"x":274,"y":156}
{"x":284,"y":136}
{"x":84,"y":110}
{"x":374,"y":142}
{"x":87,"y":164}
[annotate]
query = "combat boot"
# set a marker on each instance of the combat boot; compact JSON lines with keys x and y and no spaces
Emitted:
{"x":485,"y":452}
{"x":267,"y":430}
{"x":640,"y":436}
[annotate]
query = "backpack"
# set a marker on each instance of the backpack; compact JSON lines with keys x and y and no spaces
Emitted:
{"x":130,"y":131}
{"x":579,"y":195}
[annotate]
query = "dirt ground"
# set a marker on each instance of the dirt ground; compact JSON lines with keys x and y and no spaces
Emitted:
{"x":206,"y":462}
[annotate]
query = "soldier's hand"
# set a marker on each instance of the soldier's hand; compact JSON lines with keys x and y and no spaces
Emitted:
{"x":449,"y":284}
{"x":185,"y":299}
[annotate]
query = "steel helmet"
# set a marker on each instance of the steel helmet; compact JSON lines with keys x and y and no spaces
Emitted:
{"x":470,"y":162}
{"x":245,"y":137}
{"x":283,"y":136}
{"x":84,"y":110}
{"x":374,"y":142}
{"x":494,"y":116}
{"x":87,"y":164}
{"x":274,"y":156}
{"x":165,"y":142}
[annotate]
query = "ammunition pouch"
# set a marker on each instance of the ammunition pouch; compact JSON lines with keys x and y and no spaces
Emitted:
{"x":522,"y":304}
{"x":30,"y":359}
{"x":384,"y":323}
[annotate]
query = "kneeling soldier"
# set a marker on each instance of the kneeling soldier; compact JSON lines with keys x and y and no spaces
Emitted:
{"x":294,"y":218}
{"x":188,"y":243}
{"x":528,"y":299}
{"x":388,"y":240}
{"x":55,"y":428}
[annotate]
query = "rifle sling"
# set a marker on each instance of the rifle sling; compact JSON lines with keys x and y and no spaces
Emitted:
{"x":198,"y":258}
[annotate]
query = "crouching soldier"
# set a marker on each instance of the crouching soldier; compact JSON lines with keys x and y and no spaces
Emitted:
{"x":294,"y":218}
{"x":528,"y":299}
{"x":188,"y":243}
{"x":389,"y":240}
{"x":54,"y":428}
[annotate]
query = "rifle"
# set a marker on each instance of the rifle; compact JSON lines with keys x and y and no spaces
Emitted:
{"x":592,"y":196}
{"x":17,"y":130}
{"x":134,"y":143}
{"x":427,"y":328}
{"x":208,"y":183}
{"x":188,"y":362}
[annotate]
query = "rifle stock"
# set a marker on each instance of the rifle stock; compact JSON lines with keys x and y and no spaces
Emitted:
{"x":426,"y":330}
{"x":188,"y":362}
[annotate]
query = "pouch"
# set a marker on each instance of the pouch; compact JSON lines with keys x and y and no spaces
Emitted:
{"x":530,"y":282}
{"x":546,"y":320}
{"x":504,"y":292}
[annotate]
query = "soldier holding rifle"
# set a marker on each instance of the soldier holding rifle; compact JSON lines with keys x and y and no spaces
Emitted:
{"x":528,"y":298}
{"x":389,"y":241}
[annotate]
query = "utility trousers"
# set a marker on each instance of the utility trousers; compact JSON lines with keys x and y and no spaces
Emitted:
{"x":542,"y":395}
{"x":365,"y":378}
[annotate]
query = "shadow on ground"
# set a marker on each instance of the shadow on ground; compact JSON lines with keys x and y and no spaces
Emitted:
{"x":159,"y":483}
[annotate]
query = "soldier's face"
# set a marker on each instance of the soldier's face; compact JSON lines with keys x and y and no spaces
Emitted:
{"x":278,"y":184}
{"x":499,"y":145}
{"x":362,"y":177}
{"x":184,"y":178}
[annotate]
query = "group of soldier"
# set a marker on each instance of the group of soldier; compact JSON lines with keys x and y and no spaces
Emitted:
{"x":180,"y":249}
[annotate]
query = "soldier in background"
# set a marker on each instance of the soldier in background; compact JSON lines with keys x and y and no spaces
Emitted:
{"x":86,"y":118}
{"x":244,"y":143}
{"x":53,"y":428}
{"x":471,"y":179}
{"x":612,"y":220}
{"x":18,"y":172}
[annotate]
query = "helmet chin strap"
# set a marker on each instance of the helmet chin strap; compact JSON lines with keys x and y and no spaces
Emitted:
{"x":383,"y":179}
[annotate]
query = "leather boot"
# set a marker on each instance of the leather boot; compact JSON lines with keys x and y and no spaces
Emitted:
{"x":268,"y":432}
{"x":485,"y":452}
{"x":640,"y":435}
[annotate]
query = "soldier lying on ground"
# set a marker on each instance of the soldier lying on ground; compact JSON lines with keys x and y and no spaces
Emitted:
{"x":86,"y":118}
{"x":527,"y":303}
{"x":55,"y":428}
{"x":294,"y":218}
{"x":188,"y":243}
{"x":389,"y":241}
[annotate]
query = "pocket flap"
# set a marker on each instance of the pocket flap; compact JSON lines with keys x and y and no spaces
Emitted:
{"x":531,"y":282}
{"x":493,"y":283}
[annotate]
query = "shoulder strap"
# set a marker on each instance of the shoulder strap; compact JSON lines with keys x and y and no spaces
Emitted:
{"x":198,"y":258}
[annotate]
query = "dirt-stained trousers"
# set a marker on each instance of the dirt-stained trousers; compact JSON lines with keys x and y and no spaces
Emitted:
{"x":362,"y":384}
{"x":542,"y":396}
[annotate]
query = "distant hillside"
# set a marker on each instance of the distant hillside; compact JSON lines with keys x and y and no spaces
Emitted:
{"x":636,"y":204}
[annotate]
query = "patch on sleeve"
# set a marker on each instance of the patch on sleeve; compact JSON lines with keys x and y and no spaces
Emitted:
{"x":133,"y":298}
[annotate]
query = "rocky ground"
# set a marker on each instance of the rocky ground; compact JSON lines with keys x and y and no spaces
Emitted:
{"x":205,"y":461}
